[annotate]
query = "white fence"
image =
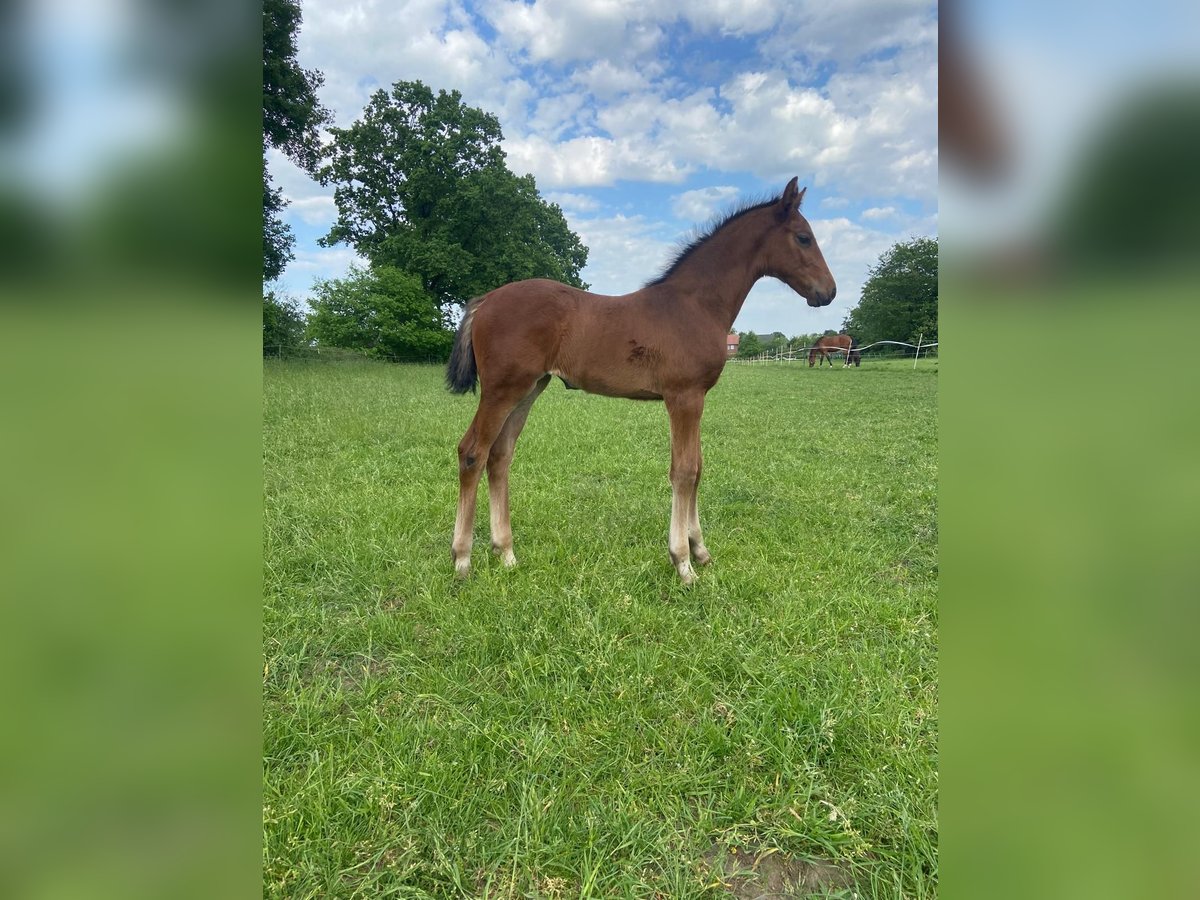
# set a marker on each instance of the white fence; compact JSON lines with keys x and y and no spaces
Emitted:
{"x":801,"y":353}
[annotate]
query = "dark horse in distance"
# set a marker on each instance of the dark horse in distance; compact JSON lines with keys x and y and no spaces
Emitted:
{"x":825,"y":347}
{"x":665,"y":342}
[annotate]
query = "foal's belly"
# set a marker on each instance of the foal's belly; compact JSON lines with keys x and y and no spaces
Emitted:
{"x":607,"y":386}
{"x":633,"y":395}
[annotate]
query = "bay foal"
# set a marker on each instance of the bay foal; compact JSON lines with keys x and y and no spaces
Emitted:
{"x":665,"y":342}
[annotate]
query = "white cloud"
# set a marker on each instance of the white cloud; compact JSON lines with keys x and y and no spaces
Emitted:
{"x":625,"y":252}
{"x":314,"y":210}
{"x":879,"y":212}
{"x":326,"y":262}
{"x":605,"y":80}
{"x":307,"y":200}
{"x":572,"y":202}
{"x":315,"y":264}
{"x":702,"y":204}
{"x":734,"y":16}
{"x":562,"y":31}
{"x":568,"y":30}
{"x":368,"y":45}
{"x":849,"y":30}
{"x":880,"y":140}
{"x":619,"y":114}
{"x":555,"y":114}
{"x":649,"y":117}
{"x":591,"y":161}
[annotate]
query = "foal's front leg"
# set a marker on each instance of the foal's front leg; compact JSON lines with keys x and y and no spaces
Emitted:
{"x":685,"y":412}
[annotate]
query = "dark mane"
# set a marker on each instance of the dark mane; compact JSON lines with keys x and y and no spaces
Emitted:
{"x":687,"y":247}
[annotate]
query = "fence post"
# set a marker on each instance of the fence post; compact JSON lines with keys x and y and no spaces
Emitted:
{"x":918,"y":356}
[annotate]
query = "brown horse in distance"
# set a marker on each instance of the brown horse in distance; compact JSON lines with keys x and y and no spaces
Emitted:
{"x":665,"y":342}
{"x":825,"y":347}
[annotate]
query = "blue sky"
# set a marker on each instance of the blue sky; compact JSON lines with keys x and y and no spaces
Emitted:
{"x":643,"y":119}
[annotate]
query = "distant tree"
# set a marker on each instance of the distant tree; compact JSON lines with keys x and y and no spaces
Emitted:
{"x":773,"y":342}
{"x":421,"y":185}
{"x":749,"y":345}
{"x":900,"y":298}
{"x":283,"y":325}
{"x":382,"y":311}
{"x":292,"y":121}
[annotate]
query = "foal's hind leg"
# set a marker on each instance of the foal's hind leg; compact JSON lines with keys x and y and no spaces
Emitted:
{"x":499,"y":461}
{"x":473,"y":450}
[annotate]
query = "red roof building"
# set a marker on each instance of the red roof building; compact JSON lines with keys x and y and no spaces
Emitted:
{"x":731,"y":345}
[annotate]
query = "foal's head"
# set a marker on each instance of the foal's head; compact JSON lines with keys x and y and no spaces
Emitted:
{"x":791,"y":254}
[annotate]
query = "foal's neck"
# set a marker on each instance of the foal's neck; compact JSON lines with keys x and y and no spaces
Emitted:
{"x":718,"y":275}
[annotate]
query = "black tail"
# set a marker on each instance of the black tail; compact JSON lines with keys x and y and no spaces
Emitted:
{"x":460,"y":371}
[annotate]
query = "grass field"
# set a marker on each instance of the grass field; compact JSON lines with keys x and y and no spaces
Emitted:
{"x":583,"y":726}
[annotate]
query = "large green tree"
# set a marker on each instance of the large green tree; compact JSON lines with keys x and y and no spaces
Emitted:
{"x":421,"y":185}
{"x":383,"y":311}
{"x":292,"y":121}
{"x":748,"y":344}
{"x":283,"y":325}
{"x":900,"y":298}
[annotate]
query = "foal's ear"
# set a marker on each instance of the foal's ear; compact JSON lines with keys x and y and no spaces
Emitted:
{"x":790,"y":200}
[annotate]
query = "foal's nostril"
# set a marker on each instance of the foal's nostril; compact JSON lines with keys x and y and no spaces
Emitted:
{"x":832,"y":293}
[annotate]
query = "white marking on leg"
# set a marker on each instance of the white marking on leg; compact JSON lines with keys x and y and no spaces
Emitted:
{"x":460,"y":548}
{"x":502,"y":539}
{"x":678,"y":537}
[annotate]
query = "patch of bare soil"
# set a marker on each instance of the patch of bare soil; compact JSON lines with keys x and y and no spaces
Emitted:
{"x":750,"y":874}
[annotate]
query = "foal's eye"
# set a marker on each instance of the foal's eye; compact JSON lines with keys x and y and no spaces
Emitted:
{"x":803,"y":240}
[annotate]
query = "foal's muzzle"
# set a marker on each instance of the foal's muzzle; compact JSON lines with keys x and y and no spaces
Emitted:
{"x":821,"y":298}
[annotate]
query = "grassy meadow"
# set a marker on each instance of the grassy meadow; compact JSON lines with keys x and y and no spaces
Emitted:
{"x":582,"y":725}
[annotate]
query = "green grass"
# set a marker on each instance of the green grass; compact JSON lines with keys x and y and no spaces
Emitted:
{"x":582,"y":725}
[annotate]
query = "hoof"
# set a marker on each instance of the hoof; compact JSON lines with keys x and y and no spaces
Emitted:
{"x":702,"y":556}
{"x":686,"y":575}
{"x":462,"y":567}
